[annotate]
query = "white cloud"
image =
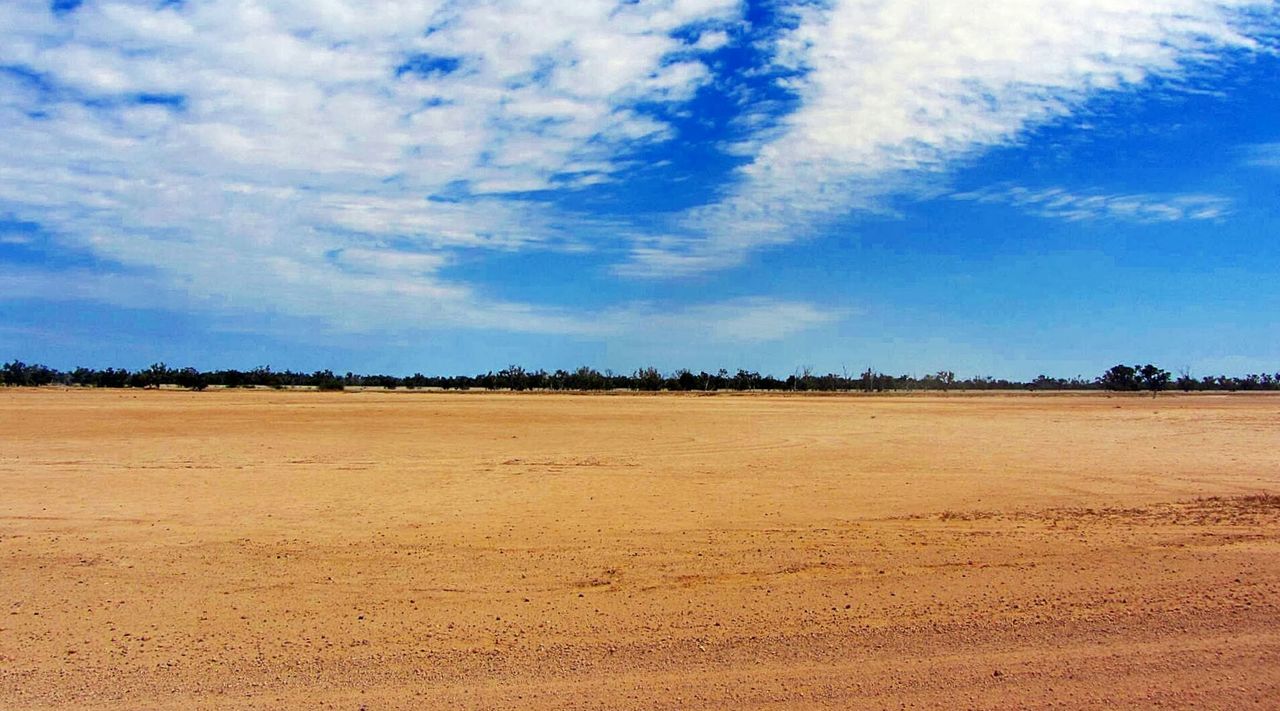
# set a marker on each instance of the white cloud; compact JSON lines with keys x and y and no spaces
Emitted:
{"x":288,"y":149}
{"x":131,"y":291}
{"x":1143,"y":208}
{"x":753,"y":320}
{"x":893,"y":89}
{"x":331,"y":159}
{"x":1263,"y":155}
{"x":372,"y":307}
{"x":711,"y":40}
{"x":766,"y":320}
{"x":398,"y":261}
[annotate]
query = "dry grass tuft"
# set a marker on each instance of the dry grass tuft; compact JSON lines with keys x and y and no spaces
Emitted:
{"x":1262,"y":500}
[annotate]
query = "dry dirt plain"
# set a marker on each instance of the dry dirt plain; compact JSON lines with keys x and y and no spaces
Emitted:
{"x":410,"y":550}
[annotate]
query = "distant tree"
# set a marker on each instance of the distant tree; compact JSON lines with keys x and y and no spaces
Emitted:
{"x":1044,"y":382}
{"x":746,"y":380}
{"x":559,"y":380}
{"x":538,"y":379}
{"x":513,"y":377}
{"x":802,"y":379}
{"x":20,"y":374}
{"x":114,"y":378}
{"x":326,"y":380}
{"x":265,"y":377}
{"x":648,"y":379}
{"x":1153,"y":378}
{"x":1185,"y":382}
{"x":686,"y":380}
{"x":191,"y":379}
{"x":1120,"y":377}
{"x":155,"y":376}
{"x":722,"y":378}
{"x":586,"y":378}
{"x":15,"y":373}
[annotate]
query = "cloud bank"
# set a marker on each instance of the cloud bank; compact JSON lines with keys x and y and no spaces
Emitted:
{"x":333,"y":160}
{"x":894,"y":89}
{"x":330,"y":158}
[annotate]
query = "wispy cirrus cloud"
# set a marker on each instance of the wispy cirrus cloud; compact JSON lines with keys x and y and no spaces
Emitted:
{"x":332,"y":158}
{"x":1263,"y":155}
{"x":738,"y":321}
{"x":1059,"y":203}
{"x":890,"y":91}
{"x":335,"y":160}
{"x":751,"y":320}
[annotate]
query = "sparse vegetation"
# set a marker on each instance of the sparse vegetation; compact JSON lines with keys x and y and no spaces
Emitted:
{"x":1263,"y":500}
{"x":1119,"y":378}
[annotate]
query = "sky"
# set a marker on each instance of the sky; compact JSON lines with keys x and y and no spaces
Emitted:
{"x":991,"y":188}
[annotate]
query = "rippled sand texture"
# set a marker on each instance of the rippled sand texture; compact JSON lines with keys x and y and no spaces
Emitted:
{"x":410,"y":550}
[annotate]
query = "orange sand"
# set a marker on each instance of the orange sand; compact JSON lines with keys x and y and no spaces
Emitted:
{"x":410,"y":550}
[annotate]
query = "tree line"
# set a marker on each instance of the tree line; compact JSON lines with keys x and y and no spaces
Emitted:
{"x":1119,"y":378}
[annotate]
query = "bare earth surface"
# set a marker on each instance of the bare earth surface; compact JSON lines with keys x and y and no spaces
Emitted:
{"x":409,"y":550}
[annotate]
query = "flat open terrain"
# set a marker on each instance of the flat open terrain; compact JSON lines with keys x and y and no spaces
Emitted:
{"x":264,"y":549}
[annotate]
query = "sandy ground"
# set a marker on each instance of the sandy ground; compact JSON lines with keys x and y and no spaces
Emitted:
{"x":395,"y":550}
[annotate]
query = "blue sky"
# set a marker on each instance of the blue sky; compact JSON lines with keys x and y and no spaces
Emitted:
{"x":1049,"y":186}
